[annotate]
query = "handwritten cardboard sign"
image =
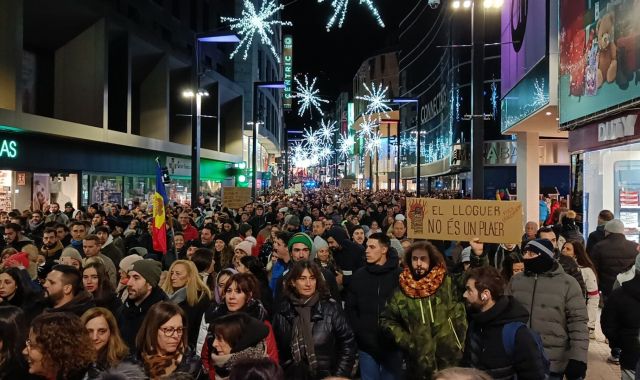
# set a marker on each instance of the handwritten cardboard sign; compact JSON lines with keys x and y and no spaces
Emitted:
{"x":464,"y":220}
{"x":236,"y":197}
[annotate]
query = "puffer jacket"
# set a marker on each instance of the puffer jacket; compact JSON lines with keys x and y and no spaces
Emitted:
{"x":620,"y":322}
{"x":557,"y":311}
{"x":430,"y":331}
{"x":371,"y":288}
{"x":615,"y":254}
{"x":335,"y":344}
{"x":485,"y":350}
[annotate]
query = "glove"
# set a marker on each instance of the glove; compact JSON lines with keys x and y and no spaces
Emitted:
{"x":575,"y":369}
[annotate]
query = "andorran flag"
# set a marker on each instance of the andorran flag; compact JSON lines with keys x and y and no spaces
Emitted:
{"x":159,"y":228}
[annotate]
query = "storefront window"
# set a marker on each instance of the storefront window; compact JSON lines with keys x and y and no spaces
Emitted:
{"x":612,"y":182}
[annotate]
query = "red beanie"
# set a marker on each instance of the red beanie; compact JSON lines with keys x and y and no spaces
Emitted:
{"x":17,"y":259}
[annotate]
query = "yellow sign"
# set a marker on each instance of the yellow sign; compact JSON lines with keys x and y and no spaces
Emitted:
{"x":236,"y":197}
{"x":464,"y":220}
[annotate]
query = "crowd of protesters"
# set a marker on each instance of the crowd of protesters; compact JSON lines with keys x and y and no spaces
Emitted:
{"x":313,"y":285}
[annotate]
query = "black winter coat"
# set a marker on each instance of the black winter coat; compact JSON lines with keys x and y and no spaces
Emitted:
{"x":132,"y":315}
{"x":484,"y":348}
{"x":371,"y":287}
{"x":335,"y":344}
{"x":350,"y":257}
{"x":594,"y":238}
{"x":620,"y":321}
{"x":615,"y":254}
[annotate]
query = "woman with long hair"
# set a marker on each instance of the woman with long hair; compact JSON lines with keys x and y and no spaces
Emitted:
{"x":185,"y":288}
{"x":17,"y":289}
{"x":96,"y":281}
{"x":105,"y":335}
{"x":236,"y":337}
{"x":314,"y":339}
{"x":162,"y":342}
{"x":59,"y":347}
{"x":13,"y":331}
{"x":241,"y":294}
{"x":575,"y":249}
{"x":222,"y":254}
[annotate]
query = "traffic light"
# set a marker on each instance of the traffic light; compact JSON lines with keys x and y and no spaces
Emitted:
{"x":239,"y":172}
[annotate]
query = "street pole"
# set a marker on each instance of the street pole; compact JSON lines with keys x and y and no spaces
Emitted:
{"x":388,"y":155}
{"x":195,"y":127}
{"x":254,"y":142}
{"x":418,"y":130}
{"x":477,"y":100}
{"x":398,"y":158}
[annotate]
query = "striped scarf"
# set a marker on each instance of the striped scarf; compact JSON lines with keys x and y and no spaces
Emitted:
{"x":302,"y":346}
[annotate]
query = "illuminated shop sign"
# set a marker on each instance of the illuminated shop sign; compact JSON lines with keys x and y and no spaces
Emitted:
{"x":9,"y":149}
{"x":288,"y":72}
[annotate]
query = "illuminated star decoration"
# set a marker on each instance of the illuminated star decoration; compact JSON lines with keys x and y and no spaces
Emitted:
{"x":340,"y":11}
{"x":345,"y":143}
{"x":327,"y":130}
{"x":252,"y":22}
{"x":308,"y":96}
{"x":366,"y":127}
{"x":377,"y":99}
{"x":373,"y":144}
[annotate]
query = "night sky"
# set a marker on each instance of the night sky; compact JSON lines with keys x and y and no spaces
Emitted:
{"x":335,"y":56}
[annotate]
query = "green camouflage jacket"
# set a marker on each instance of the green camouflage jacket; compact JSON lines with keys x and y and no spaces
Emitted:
{"x":429,"y":330}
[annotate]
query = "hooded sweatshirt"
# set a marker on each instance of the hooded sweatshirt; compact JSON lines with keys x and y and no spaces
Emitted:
{"x":349,"y":257}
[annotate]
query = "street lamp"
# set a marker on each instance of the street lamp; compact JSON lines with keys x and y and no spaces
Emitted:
{"x":416,"y":101}
{"x":256,"y":86}
{"x":477,"y":94}
{"x":196,"y":102}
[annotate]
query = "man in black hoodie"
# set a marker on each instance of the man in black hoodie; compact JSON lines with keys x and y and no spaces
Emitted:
{"x":490,"y":313}
{"x":348,"y":255}
{"x":370,"y":289}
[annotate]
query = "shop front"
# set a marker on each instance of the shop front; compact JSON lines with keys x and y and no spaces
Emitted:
{"x":36,"y":170}
{"x":606,"y":171}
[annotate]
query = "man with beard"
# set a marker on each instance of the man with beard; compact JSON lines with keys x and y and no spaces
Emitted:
{"x":35,"y":227}
{"x":107,"y":246}
{"x":14,"y":237}
{"x":63,"y":288}
{"x":51,"y":247}
{"x":424,"y":316}
{"x":348,"y":255}
{"x":371,"y":287}
{"x":97,"y":220}
{"x":56,"y":215}
{"x":144,"y":292}
{"x":64,"y":237}
{"x":557,"y":309}
{"x":494,"y":318}
{"x":206,"y":237}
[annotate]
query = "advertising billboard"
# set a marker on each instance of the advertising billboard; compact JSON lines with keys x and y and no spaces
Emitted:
{"x":287,"y":53}
{"x":599,"y":56}
{"x":524,"y":40}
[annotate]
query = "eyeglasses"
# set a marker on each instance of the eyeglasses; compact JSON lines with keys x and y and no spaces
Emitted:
{"x":169,"y":331}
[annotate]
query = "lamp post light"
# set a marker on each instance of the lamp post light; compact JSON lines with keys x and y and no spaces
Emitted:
{"x":477,"y":116}
{"x":256,"y":86}
{"x":416,"y":101}
{"x":196,"y":103}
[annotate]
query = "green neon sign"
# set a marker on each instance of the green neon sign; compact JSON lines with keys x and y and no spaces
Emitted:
{"x":9,"y":149}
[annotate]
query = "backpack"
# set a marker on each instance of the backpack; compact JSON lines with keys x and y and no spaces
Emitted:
{"x":509,"y":332}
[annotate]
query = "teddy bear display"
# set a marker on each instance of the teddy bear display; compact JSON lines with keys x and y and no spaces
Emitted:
{"x":607,"y":50}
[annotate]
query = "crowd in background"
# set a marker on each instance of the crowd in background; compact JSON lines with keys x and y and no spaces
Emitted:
{"x":313,"y":285}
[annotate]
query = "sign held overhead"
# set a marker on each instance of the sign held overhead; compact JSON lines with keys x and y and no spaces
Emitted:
{"x":464,"y":220}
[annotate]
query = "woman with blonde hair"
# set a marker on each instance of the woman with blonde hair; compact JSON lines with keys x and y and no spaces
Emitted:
{"x":105,"y":335}
{"x":184,"y":287}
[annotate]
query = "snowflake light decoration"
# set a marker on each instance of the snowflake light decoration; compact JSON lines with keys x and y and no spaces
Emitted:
{"x":308,"y":96}
{"x":366,"y":127}
{"x":340,"y":11}
{"x":377,"y":99}
{"x":254,"y":22}
{"x":373,"y":144}
{"x":345,"y":143}
{"x":327,"y":130}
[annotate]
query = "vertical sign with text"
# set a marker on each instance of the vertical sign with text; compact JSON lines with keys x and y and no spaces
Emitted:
{"x":287,"y":53}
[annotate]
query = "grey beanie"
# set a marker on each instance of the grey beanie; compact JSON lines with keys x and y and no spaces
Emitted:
{"x":614,"y":226}
{"x":149,"y":269}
